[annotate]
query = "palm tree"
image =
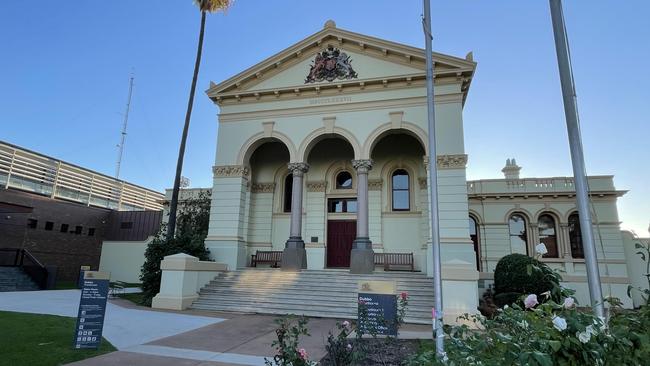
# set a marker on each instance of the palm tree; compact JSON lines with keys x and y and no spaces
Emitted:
{"x":206,"y":6}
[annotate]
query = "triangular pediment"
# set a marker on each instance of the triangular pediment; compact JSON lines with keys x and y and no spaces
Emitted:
{"x":373,"y":59}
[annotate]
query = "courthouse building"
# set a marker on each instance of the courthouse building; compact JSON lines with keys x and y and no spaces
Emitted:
{"x":322,"y":153}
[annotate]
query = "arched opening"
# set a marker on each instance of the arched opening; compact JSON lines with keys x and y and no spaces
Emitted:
{"x":517,"y":230}
{"x":268,"y":195}
{"x":474,"y":235}
{"x":548,"y":234}
{"x":329,"y":162}
{"x":575,"y":236}
{"x":398,"y":161}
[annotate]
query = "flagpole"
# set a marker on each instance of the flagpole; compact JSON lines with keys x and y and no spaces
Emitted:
{"x":433,"y":186}
{"x":577,"y":156}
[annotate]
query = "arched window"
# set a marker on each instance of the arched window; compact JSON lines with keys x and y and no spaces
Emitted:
{"x":344,"y":180}
{"x":400,"y":187}
{"x":548,"y":235}
{"x":288,"y":189}
{"x":473,"y":234}
{"x":575,"y":236}
{"x":517,"y":230}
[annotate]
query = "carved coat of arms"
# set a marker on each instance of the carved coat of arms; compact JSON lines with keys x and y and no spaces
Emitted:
{"x":329,"y":65}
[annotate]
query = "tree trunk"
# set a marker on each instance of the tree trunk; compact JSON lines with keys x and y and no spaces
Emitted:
{"x":171,"y":226}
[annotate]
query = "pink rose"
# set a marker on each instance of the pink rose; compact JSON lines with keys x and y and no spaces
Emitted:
{"x":303,"y":353}
{"x":531,"y":301}
{"x":346,"y":324}
{"x":404,"y":295}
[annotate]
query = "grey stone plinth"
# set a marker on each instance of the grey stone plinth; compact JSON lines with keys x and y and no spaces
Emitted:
{"x":362,"y":257}
{"x":294,"y":256}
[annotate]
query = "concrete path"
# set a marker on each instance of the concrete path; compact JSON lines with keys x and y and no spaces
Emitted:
{"x":189,"y":338}
{"x":123,"y":327}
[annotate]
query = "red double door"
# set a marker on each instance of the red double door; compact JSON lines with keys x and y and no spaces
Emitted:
{"x":340,"y":235}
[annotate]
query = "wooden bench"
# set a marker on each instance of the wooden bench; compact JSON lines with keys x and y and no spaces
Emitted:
{"x":272,"y":257}
{"x":394,"y":259}
{"x":116,"y":288}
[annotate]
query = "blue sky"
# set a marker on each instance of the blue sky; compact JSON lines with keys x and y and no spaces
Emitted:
{"x":65,"y":66}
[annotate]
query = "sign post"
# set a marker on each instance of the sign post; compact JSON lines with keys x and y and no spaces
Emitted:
{"x":377,"y":309}
{"x":82,"y":270}
{"x":92,"y":308}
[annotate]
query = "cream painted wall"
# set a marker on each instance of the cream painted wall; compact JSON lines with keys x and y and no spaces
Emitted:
{"x":123,"y":259}
{"x":636,"y":266}
{"x":503,"y":198}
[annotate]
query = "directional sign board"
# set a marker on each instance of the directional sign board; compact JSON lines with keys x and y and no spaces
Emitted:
{"x":92,"y":307}
{"x":377,"y":309}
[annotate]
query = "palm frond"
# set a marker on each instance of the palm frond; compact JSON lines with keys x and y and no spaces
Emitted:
{"x":213,"y":6}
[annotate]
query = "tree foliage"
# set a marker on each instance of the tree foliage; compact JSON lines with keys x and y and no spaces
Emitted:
{"x":191,"y":230}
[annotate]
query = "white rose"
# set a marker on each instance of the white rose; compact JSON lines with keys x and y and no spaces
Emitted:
{"x":591,"y":330}
{"x":584,"y":337}
{"x":541,"y":249}
{"x":569,"y":302}
{"x":559,"y":323}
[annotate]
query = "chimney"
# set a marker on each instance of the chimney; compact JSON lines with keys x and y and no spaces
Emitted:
{"x":511,"y":170}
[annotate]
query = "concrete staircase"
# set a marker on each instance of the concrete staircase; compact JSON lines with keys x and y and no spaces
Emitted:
{"x":318,"y":293}
{"x":14,"y":279}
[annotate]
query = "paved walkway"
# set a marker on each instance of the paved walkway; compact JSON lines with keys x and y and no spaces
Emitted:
{"x":123,"y":327}
{"x":150,"y":337}
{"x":190,"y":338}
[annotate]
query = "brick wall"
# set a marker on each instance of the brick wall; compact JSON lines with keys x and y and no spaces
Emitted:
{"x":67,"y":250}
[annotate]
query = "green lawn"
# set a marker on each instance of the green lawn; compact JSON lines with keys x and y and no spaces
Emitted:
{"x":135,"y":298}
{"x":65,"y":285}
{"x":41,"y":340}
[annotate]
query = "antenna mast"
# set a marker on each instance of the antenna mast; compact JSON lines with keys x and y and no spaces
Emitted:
{"x":123,"y":138}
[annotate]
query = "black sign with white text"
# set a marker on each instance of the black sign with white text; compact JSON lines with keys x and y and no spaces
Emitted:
{"x":92,"y":308}
{"x":380,"y":313}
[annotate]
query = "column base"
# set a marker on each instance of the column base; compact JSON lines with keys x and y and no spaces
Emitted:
{"x":294,"y":256}
{"x":362,"y":257}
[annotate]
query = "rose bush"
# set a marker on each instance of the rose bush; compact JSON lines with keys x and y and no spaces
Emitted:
{"x":547,"y":331}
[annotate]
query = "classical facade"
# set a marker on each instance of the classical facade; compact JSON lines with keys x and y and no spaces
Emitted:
{"x":322,"y":153}
{"x":513,"y":215}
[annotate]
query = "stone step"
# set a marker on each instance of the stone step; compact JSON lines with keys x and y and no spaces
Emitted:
{"x":301,"y":288}
{"x":323,"y":293}
{"x":14,"y":279}
{"x":285,"y":298}
{"x":326,"y":275}
{"x":345,"y":282}
{"x":418,"y":318}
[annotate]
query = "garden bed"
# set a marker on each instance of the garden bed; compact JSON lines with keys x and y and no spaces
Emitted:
{"x":385,"y":352}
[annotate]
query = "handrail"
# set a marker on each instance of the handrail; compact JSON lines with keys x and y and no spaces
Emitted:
{"x":30,"y":265}
{"x":31,"y":257}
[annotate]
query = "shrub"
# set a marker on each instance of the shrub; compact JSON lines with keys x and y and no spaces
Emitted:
{"x":287,"y":352}
{"x":547,"y":334}
{"x":516,"y":275}
{"x":191,"y":230}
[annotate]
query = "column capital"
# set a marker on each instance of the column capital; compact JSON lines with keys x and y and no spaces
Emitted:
{"x":362,"y":165}
{"x":298,"y":169}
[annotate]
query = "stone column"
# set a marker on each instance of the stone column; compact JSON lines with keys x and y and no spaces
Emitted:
{"x":362,"y":257}
{"x":294,"y":257}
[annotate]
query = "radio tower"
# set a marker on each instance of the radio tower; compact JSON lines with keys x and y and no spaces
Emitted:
{"x":123,"y":138}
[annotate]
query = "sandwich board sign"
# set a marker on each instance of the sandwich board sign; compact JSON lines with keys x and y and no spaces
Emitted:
{"x":377,"y":307}
{"x":92,"y":308}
